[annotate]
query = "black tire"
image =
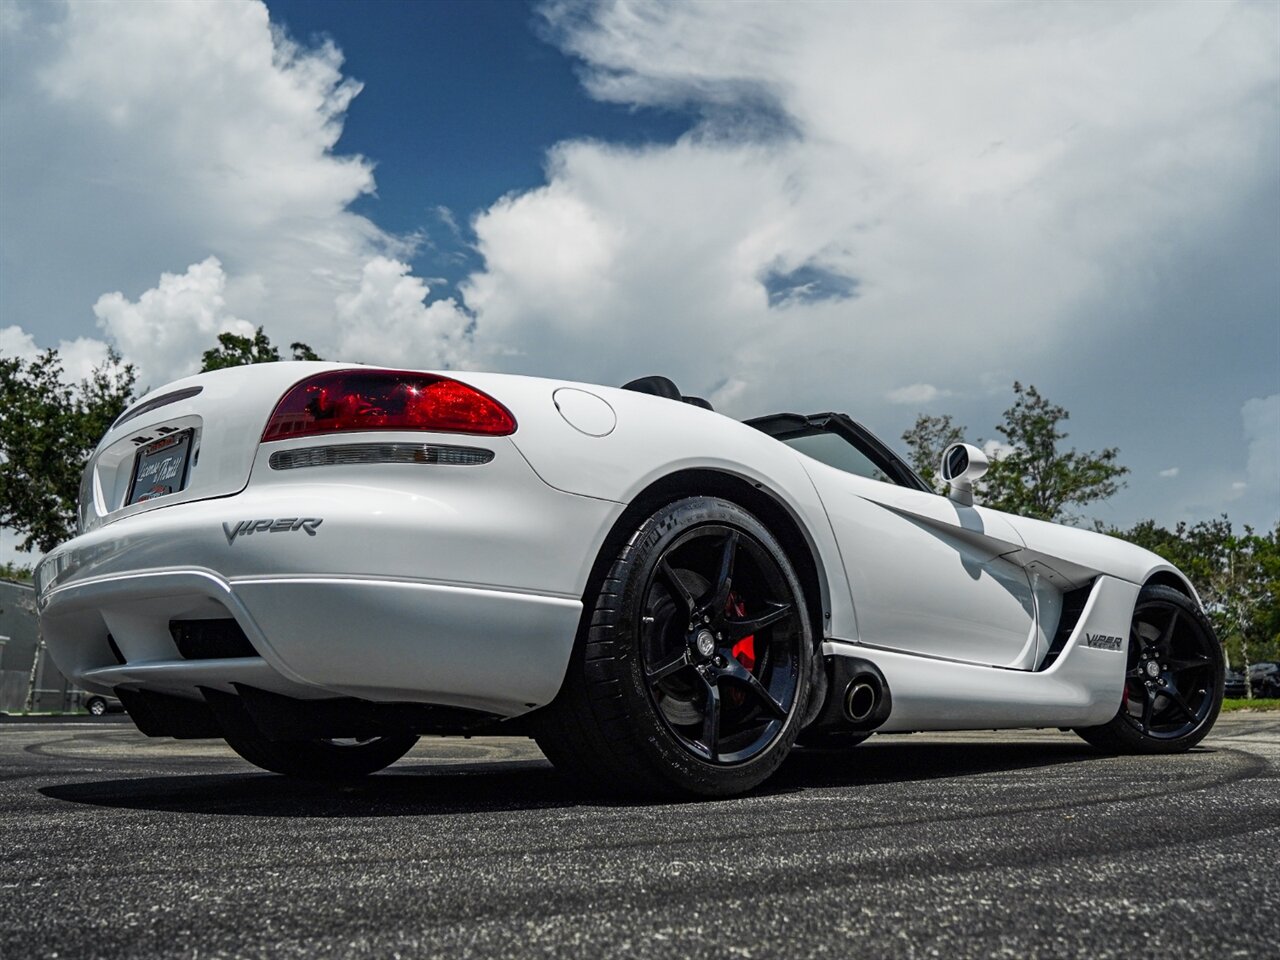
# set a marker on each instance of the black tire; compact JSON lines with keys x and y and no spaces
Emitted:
{"x":691,"y":670}
{"x":96,"y":706}
{"x":1173,"y":679}
{"x":323,"y":759}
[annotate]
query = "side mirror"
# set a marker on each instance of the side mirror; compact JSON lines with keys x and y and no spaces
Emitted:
{"x":962,"y":464}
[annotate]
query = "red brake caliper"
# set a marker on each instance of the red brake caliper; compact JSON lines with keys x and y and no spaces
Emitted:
{"x":744,"y":651}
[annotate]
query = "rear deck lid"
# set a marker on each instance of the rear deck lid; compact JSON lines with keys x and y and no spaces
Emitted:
{"x":193,"y":439}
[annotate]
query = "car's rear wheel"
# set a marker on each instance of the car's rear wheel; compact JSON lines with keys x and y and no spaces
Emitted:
{"x":96,"y":706}
{"x":692,"y":672}
{"x":323,"y":759}
{"x":1173,"y":679}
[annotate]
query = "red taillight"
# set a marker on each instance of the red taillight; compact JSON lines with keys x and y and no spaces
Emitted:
{"x":344,"y":400}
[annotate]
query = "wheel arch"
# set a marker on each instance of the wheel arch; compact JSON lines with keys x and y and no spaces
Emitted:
{"x":1169,"y":577}
{"x":751,"y":495}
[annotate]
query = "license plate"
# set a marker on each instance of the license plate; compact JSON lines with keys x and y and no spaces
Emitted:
{"x":161,"y":468}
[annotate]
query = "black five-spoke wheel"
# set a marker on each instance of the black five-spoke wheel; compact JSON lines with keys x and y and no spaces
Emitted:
{"x":1170,"y":681}
{"x":721,"y":657}
{"x":1173,"y":680}
{"x":691,"y":675}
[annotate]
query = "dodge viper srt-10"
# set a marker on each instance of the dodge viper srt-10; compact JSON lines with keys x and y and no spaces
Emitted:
{"x":320,"y":562}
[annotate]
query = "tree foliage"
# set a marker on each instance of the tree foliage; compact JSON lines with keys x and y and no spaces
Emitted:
{"x":15,"y":571}
{"x":926,"y":440}
{"x":48,"y":428}
{"x":1037,"y":478}
{"x":1236,"y":574}
{"x":237,"y":351}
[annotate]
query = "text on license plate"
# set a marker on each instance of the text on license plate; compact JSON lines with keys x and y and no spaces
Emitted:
{"x":161,"y":468}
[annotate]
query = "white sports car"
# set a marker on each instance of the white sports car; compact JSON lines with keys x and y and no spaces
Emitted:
{"x":319,"y":562}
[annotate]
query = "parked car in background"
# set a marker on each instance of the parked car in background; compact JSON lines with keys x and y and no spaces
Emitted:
{"x":1233,"y":684}
{"x":99,"y":705}
{"x":1266,"y":678}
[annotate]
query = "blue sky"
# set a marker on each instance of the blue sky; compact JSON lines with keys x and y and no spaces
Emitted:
{"x":461,"y":102}
{"x":888,"y":209}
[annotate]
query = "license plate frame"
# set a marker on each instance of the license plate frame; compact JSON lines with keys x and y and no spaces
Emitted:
{"x":163,"y":466}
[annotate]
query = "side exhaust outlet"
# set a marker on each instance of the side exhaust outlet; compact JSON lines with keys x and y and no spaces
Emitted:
{"x":860,"y":698}
{"x":857,"y":699}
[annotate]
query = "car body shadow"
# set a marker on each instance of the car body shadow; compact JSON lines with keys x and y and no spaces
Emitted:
{"x":405,"y":789}
{"x":425,"y":789}
{"x":897,"y":759}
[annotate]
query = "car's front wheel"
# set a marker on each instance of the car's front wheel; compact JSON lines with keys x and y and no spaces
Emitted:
{"x":691,"y":676}
{"x":1173,"y":679}
{"x":323,"y":759}
{"x":96,"y":706}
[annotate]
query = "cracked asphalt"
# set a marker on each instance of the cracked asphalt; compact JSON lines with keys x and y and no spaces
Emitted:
{"x":1024,"y":844}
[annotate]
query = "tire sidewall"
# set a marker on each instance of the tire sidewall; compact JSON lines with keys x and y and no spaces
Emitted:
{"x":673,"y":760}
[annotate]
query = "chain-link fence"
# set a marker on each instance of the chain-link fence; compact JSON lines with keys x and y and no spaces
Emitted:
{"x":27,"y":675}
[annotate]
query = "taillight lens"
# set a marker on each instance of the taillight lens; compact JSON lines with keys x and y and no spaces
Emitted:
{"x":345,"y":400}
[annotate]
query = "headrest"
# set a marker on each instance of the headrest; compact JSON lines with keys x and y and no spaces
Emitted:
{"x":665,"y":388}
{"x":656,"y":386}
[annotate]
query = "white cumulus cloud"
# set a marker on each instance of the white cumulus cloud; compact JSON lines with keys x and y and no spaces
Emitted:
{"x":79,"y":356}
{"x":953,"y":195}
{"x":159,"y":330}
{"x":169,"y":168}
{"x":873,"y":187}
{"x":390,"y":307}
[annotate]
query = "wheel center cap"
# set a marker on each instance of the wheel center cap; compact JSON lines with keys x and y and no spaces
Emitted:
{"x":706,"y":643}
{"x":1153,"y":669}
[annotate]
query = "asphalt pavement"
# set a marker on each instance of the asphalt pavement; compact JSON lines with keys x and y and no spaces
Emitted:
{"x":958,"y":845}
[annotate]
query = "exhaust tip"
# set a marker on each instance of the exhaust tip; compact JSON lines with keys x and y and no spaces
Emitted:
{"x":860,"y":699}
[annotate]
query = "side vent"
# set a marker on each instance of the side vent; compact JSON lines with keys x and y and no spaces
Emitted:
{"x":210,"y":639}
{"x":1073,"y":603}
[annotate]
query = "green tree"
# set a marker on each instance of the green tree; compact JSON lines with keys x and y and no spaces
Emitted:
{"x":303,"y":352}
{"x":1037,"y":478}
{"x":926,"y":440}
{"x":237,"y":351}
{"x":48,"y":428}
{"x":1198,"y":551}
{"x":13,"y":571}
{"x":1266,"y":619}
{"x":1236,"y":574}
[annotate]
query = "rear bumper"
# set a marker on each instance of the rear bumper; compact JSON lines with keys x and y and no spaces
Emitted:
{"x":483,"y":649}
{"x":453,"y":586}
